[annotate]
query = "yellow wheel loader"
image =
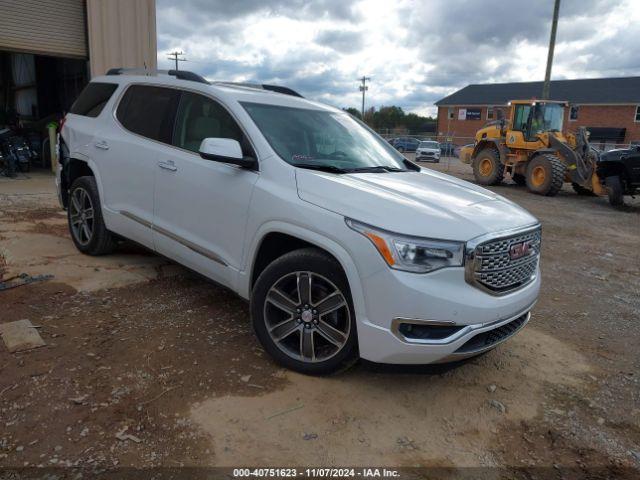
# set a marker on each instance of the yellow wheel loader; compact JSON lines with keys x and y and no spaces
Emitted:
{"x":531,"y":148}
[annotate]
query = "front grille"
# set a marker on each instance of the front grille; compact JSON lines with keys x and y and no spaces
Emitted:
{"x":494,"y":267}
{"x":485,"y":340}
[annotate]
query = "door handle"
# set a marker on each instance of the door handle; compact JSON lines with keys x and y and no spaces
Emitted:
{"x":102,"y":145}
{"x":169,"y":165}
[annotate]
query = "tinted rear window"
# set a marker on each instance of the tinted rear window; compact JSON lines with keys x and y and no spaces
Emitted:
{"x":93,"y":99}
{"x":149,"y":111}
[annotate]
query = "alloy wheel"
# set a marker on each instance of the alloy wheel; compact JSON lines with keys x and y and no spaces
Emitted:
{"x":307,"y":316}
{"x":81,"y":216}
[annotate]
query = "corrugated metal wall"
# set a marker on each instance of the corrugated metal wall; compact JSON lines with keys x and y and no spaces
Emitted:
{"x":122,"y":33}
{"x":48,"y":27}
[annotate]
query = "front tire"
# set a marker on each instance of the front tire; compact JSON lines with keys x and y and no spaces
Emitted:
{"x":303,"y":315}
{"x":487,"y":168}
{"x":614,"y":190}
{"x":84,"y":214}
{"x":401,"y":149}
{"x":545,"y":175}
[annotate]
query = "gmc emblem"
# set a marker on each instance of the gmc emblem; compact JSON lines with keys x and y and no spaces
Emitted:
{"x":519,"y":250}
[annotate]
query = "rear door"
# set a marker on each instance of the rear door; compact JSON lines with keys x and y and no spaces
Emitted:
{"x":201,"y":206}
{"x":127,"y":151}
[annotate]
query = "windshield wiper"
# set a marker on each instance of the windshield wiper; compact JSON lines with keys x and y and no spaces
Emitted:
{"x":321,"y":168}
{"x":377,"y":168}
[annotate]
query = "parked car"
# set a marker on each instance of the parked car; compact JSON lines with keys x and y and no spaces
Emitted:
{"x":447,"y":149}
{"x":620,"y":170}
{"x":406,"y":144}
{"x":428,"y":151}
{"x":343,"y":247}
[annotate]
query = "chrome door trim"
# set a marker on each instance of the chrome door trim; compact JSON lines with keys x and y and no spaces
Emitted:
{"x":136,"y":218}
{"x":183,"y":241}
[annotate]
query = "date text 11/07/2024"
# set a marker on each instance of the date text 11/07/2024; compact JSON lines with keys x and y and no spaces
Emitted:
{"x":316,"y":473}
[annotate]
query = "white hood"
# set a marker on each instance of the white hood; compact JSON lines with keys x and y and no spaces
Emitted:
{"x":425,"y":203}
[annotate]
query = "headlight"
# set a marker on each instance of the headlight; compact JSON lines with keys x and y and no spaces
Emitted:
{"x":412,"y":254}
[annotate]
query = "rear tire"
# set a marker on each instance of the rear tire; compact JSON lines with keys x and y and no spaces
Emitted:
{"x":614,"y":190}
{"x":545,"y":175}
{"x":285,"y":316}
{"x":401,"y":149}
{"x":84,"y":214}
{"x":487,"y":168}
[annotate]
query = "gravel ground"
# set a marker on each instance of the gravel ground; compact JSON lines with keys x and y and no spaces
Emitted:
{"x":150,"y":365}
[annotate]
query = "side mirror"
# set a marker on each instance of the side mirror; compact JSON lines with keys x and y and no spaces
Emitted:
{"x":225,"y":150}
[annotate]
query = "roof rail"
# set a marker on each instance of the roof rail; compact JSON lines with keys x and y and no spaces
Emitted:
{"x":262,"y":86}
{"x":179,"y":74}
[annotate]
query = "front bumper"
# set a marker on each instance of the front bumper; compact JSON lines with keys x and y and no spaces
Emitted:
{"x":440,"y":298}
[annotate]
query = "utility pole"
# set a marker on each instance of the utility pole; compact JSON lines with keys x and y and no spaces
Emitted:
{"x":552,"y":46}
{"x":363,"y":89}
{"x":175,"y":57}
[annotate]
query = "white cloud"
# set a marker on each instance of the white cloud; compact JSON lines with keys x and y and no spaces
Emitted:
{"x":416,"y":52}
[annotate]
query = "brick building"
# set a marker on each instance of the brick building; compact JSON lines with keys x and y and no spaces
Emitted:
{"x":608,"y":107}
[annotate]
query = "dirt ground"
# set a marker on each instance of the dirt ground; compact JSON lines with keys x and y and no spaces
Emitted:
{"x":148,"y":364}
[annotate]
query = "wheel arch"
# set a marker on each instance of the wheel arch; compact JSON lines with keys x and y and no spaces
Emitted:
{"x":76,"y":166}
{"x":294,"y":237}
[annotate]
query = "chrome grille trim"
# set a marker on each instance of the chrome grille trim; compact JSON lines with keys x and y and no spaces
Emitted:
{"x":489,"y":267}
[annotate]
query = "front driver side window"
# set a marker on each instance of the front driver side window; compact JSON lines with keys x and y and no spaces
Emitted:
{"x":200,"y":117}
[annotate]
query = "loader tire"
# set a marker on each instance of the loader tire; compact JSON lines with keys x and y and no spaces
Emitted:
{"x":487,"y":167}
{"x":580,"y":190}
{"x":614,"y":190}
{"x":545,"y":175}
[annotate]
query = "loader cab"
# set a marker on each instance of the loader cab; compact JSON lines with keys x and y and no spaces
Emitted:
{"x":533,"y":117}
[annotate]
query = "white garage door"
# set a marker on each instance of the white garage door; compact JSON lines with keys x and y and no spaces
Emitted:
{"x":48,"y":27}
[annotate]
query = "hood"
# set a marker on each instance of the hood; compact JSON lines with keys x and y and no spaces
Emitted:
{"x":425,"y":203}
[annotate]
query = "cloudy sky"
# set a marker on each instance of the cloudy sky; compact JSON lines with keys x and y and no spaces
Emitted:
{"x":415,"y":52}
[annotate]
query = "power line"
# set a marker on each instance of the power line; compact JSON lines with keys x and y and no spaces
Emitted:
{"x":363,"y":89}
{"x":175,"y":57}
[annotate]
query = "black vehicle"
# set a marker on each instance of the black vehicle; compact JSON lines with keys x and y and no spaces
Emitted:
{"x":620,"y":171}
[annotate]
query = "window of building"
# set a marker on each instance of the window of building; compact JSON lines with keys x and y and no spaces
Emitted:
{"x":573,"y":113}
{"x":93,"y":99}
{"x":451,"y":113}
{"x":638,"y":113}
{"x":200,"y":117}
{"x":149,"y":111}
{"x":490,"y":113}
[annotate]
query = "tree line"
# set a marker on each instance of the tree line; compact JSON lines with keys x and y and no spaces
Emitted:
{"x":394,"y":119}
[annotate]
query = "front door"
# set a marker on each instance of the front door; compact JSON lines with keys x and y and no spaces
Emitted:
{"x":201,"y":206}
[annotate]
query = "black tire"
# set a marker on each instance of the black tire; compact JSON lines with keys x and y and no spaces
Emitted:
{"x":401,"y":149}
{"x":545,"y":175}
{"x":519,"y":179}
{"x":580,"y":190}
{"x":614,"y":190}
{"x":304,"y":261}
{"x":487,"y":168}
{"x":101,"y":241}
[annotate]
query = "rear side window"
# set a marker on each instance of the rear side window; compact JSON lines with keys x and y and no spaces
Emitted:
{"x":149,"y":111}
{"x":93,"y":99}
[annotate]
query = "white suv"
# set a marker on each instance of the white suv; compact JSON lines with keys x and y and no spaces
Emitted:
{"x":344,"y":248}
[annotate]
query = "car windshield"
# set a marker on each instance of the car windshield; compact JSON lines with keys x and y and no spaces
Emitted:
{"x":429,"y":145}
{"x":323,"y":139}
